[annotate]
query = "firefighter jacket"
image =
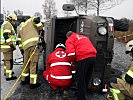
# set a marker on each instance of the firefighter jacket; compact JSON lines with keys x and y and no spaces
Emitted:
{"x":59,"y":68}
{"x":124,"y":85}
{"x":79,"y":47}
{"x":28,"y":32}
{"x":7,"y":28}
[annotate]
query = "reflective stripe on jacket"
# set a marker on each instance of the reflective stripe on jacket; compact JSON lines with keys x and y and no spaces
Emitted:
{"x":61,"y":77}
{"x":130,"y":73}
{"x":58,"y":65}
{"x":30,"y":40}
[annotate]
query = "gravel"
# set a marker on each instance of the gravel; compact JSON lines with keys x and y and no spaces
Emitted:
{"x":120,"y":62}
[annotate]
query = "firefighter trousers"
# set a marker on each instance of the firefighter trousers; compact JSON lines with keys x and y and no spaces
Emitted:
{"x":31,"y":69}
{"x":8,"y":63}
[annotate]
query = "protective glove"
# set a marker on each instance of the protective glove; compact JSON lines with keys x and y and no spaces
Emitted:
{"x":36,"y":20}
{"x":5,"y":35}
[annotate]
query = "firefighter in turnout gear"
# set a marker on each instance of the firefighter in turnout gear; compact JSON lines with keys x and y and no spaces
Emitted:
{"x":80,"y":50}
{"x":122,"y":88}
{"x":29,"y":34}
{"x":8,"y":42}
{"x":58,"y":72}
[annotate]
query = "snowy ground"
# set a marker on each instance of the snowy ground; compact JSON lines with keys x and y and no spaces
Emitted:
{"x":120,"y":62}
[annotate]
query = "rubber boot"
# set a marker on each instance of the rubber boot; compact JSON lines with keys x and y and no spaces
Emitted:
{"x":12,"y":78}
{"x":27,"y":80}
{"x":33,"y":86}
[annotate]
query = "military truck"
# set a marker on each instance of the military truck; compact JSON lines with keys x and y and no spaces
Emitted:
{"x":99,"y":29}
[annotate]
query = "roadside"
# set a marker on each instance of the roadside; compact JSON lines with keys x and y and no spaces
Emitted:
{"x":120,"y":62}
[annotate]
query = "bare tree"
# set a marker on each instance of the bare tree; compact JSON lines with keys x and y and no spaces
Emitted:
{"x":97,"y":5}
{"x":18,"y":12}
{"x":6,"y":13}
{"x":38,"y":14}
{"x":49,"y":9}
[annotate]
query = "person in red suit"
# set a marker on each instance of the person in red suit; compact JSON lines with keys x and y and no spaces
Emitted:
{"x":58,"y":69}
{"x":81,"y":51}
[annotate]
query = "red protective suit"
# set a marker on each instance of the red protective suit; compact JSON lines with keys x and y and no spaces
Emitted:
{"x":79,"y":47}
{"x":58,"y":72}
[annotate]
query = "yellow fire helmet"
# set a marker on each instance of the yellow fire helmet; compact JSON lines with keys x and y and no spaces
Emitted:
{"x":12,"y":16}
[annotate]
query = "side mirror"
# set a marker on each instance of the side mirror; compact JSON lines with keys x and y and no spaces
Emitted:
{"x":68,"y":7}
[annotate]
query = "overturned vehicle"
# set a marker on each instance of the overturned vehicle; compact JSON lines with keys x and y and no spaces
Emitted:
{"x":99,"y":29}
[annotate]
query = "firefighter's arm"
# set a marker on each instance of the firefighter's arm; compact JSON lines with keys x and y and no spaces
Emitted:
{"x":6,"y":35}
{"x":7,"y":31}
{"x":129,"y":75}
{"x":70,"y":50}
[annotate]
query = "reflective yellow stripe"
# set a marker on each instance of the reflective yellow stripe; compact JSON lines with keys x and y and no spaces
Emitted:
{"x":25,"y":74}
{"x":6,"y":22}
{"x":20,"y":45}
{"x":39,"y":24}
{"x":9,"y":40}
{"x":4,"y":67}
{"x":5,"y":46}
{"x":19,"y":39}
{"x":123,"y":77}
{"x":34,"y":76}
{"x":115,"y":93}
{"x":9,"y":72}
{"x":30,"y":40}
{"x":8,"y":31}
{"x":130,"y":73}
{"x":2,"y":41}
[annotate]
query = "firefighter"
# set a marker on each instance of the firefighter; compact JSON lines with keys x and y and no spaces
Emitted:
{"x":58,"y":71}
{"x":122,"y":88}
{"x":80,"y":50}
{"x":29,"y":34}
{"x":8,"y":45}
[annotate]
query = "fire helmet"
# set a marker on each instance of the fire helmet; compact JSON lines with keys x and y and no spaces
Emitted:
{"x":129,"y":47}
{"x":12,"y":16}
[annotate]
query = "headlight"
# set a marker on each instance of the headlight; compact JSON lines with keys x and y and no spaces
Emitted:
{"x":102,"y":30}
{"x":96,"y":81}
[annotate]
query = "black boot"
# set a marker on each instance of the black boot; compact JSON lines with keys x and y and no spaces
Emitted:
{"x":33,"y":86}
{"x":27,"y":80}
{"x":12,"y":78}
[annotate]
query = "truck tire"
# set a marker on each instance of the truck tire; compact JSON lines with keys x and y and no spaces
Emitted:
{"x":120,"y":25}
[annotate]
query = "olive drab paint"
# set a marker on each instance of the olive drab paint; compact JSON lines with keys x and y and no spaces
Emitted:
{"x":88,"y":26}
